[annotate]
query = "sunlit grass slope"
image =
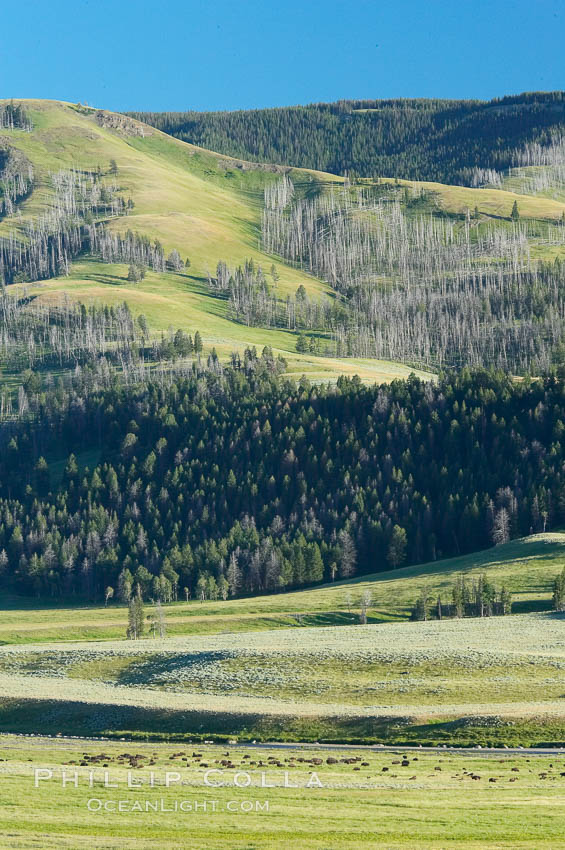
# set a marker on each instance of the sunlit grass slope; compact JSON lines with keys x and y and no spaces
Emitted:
{"x":491,"y":202}
{"x":206,"y":205}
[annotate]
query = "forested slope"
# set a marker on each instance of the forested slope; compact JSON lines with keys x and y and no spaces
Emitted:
{"x":438,"y":140}
{"x":239,"y":482}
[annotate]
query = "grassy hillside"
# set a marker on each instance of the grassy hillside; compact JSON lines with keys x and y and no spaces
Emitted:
{"x":207,"y":206}
{"x":527,"y":567}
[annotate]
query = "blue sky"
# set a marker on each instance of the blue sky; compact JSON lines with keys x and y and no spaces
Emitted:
{"x":224,"y":54}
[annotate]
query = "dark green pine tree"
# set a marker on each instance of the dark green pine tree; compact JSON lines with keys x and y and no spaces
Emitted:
{"x":314,"y":563}
{"x":136,"y":616}
{"x":559,"y":592}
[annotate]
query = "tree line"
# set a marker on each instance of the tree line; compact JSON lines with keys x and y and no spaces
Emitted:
{"x":16,"y":178}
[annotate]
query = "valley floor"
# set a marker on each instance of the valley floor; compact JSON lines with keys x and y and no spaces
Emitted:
{"x":248,"y":670}
{"x":358,"y":800}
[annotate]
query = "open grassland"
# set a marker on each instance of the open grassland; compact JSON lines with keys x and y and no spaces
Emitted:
{"x":527,"y":567}
{"x":491,"y":202}
{"x":460,"y":679}
{"x":368,"y":799}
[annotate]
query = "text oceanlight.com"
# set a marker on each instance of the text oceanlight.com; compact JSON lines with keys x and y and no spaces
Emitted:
{"x":163,"y":806}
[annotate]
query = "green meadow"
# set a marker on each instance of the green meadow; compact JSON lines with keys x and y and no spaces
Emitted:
{"x":368,"y":799}
{"x":301,"y":665}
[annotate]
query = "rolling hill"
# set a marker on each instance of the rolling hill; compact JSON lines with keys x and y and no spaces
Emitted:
{"x":208,"y":207}
{"x":279,"y":667}
{"x":205,"y":205}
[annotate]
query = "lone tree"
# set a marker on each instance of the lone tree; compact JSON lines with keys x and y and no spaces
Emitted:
{"x":125,"y":581}
{"x":174,"y":262}
{"x":223,"y":588}
{"x":559,"y":592}
{"x":201,"y":587}
{"x":366,"y":600}
{"x":501,"y":527}
{"x":460,"y":597}
{"x":505,"y":601}
{"x":113,"y":166}
{"x":234,"y":575}
{"x":483,"y":597}
{"x":515,"y":214}
{"x":142,"y":322}
{"x":135,"y":616}
{"x":421,"y":608}
{"x":135,"y":273}
{"x":108,"y":594}
{"x":157,"y":621}
{"x":348,"y":555}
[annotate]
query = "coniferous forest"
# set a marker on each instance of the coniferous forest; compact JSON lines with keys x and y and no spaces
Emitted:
{"x":441,"y":140}
{"x":227,"y":481}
